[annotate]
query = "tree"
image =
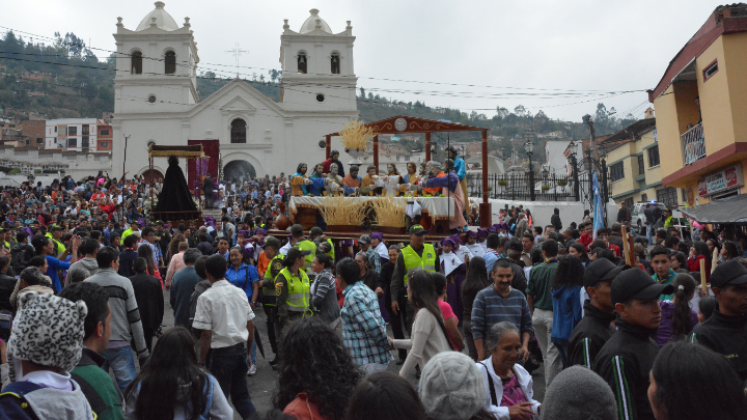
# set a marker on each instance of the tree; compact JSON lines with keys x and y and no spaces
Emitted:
{"x":262,"y":78}
{"x":209,"y":75}
{"x":501,"y":112}
{"x":520,"y":111}
{"x":363,"y":93}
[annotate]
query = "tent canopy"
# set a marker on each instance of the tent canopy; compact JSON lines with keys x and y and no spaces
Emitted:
{"x":727,"y":210}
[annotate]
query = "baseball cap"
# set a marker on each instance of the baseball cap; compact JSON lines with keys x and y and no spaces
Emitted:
{"x":296,"y":230}
{"x":316,"y":230}
{"x":636,"y":284}
{"x":364,"y":239}
{"x":417,"y":230}
{"x":602,"y":269}
{"x":730,"y":272}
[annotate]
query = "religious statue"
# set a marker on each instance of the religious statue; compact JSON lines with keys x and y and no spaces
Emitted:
{"x":334,"y":177}
{"x":460,"y":168}
{"x":318,"y":181}
{"x":299,"y":181}
{"x":334,"y":158}
{"x":392,"y":180}
{"x":448,"y":183}
{"x":411,"y":179}
{"x":318,"y":171}
{"x":368,"y":183}
{"x":352,"y":182}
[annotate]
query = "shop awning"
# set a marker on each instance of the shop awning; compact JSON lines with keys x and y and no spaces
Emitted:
{"x":727,"y":210}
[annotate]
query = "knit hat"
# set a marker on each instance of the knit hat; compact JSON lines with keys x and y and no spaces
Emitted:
{"x":578,"y":393}
{"x":452,"y":387}
{"x":48,"y":330}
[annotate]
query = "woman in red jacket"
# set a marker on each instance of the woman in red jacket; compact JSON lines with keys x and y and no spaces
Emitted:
{"x":699,"y":251}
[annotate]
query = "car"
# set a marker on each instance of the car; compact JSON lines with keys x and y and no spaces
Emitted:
{"x":637,"y":216}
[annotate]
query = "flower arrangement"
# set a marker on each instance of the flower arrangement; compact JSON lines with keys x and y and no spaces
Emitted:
{"x":562,"y":182}
{"x":356,"y":135}
{"x":545,"y":187}
{"x":502,"y":182}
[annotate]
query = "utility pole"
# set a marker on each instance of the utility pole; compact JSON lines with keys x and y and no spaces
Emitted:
{"x":590,"y":153}
{"x":124,"y":160}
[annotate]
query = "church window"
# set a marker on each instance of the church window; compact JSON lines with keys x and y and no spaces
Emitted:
{"x":238,"y":131}
{"x":335,"y":61}
{"x":302,"y":61}
{"x":137,"y":63}
{"x":170,"y":62}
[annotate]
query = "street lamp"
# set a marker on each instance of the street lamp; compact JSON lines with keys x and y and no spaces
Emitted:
{"x":572,"y":148}
{"x":529,"y":146}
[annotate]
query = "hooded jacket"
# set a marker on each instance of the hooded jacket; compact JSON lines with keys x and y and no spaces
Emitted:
{"x":45,"y":403}
{"x":566,"y":313}
{"x":87,"y":264}
{"x":555,"y":220}
{"x":624,"y":362}
{"x":594,"y":330}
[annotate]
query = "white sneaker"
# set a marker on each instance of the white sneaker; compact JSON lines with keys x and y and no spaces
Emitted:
{"x":252,"y":370}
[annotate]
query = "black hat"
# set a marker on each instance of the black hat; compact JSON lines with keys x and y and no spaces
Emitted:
{"x":296,"y":230}
{"x":636,"y":284}
{"x":417,"y":230}
{"x":316,"y":230}
{"x":601,"y":269}
{"x":729,"y":272}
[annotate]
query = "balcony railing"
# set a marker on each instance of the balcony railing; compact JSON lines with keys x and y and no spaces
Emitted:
{"x":693,"y":145}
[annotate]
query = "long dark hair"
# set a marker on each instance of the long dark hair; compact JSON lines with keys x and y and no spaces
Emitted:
{"x":581,"y":250}
{"x":385,"y":396}
{"x":171,"y":368}
{"x":477,"y":278}
{"x":145,"y":251}
{"x":313,"y":360}
{"x":701,"y":248}
{"x":731,"y":250}
{"x":570,"y":273}
{"x":682,"y":323}
{"x":424,"y":297}
{"x":719,"y":393}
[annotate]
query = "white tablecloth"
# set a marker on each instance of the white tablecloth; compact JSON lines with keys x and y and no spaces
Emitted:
{"x":439,"y":208}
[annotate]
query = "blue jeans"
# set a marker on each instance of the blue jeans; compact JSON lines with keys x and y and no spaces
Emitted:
{"x":649,"y":234}
{"x":123,"y":364}
{"x":229,"y":367}
{"x":254,"y":352}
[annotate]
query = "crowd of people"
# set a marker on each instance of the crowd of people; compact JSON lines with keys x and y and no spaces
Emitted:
{"x":466,"y":320}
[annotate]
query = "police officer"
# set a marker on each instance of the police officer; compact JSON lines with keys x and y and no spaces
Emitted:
{"x":725,"y":332}
{"x":292,"y":291}
{"x":595,"y":328}
{"x":272,"y":251}
{"x":416,"y":255}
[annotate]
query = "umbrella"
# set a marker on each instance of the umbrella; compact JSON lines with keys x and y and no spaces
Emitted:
{"x":258,"y":340}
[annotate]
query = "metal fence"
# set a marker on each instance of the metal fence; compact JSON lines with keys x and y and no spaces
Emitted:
{"x":693,"y":145}
{"x":519,"y":187}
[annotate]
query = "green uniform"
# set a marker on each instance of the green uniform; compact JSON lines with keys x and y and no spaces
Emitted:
{"x":293,"y":295}
{"x":59,"y":247}
{"x":307,"y":245}
{"x":331,"y":253}
{"x":268,"y":283}
{"x":413,"y":261}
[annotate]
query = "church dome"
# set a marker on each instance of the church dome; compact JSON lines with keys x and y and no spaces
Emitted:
{"x":311,"y":22}
{"x":163,"y":19}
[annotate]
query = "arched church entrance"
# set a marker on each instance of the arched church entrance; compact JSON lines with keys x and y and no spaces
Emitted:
{"x":239,"y":171}
{"x":152,"y":175}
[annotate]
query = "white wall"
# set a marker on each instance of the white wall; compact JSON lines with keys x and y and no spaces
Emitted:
{"x":542,"y":211}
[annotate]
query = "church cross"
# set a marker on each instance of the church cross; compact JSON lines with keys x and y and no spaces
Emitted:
{"x":237,"y":52}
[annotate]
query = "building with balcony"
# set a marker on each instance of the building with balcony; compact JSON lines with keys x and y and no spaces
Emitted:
{"x":700,"y":105}
{"x":84,"y":135}
{"x":634,"y":163}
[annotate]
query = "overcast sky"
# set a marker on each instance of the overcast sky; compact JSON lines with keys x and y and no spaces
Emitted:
{"x":581,"y":45}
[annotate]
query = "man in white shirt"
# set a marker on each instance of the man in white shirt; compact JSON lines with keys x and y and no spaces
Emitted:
{"x":226,"y":320}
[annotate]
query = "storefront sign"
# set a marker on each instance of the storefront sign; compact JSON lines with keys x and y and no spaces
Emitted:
{"x":729,"y":178}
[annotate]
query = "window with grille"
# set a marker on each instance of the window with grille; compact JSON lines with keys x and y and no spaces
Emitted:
{"x":238,"y":131}
{"x":684,"y":195}
{"x":628,"y":202}
{"x":667,"y":196}
{"x":653,"y":157}
{"x":644,"y":197}
{"x":617,"y":171}
{"x":641,"y":168}
{"x":72,"y":131}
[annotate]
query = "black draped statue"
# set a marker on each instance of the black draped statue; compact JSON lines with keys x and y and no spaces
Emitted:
{"x":175,"y":195}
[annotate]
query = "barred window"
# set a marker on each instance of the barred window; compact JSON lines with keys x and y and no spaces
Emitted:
{"x":667,"y":196}
{"x":617,"y":171}
{"x":653,"y":157}
{"x":641,"y":168}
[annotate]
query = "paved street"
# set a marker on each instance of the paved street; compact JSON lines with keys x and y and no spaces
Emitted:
{"x":262,"y":386}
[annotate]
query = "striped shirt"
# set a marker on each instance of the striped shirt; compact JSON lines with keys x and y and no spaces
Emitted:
{"x":491,"y":308}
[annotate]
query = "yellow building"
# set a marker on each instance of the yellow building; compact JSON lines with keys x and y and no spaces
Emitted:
{"x":701,"y":104}
{"x":634,"y":165}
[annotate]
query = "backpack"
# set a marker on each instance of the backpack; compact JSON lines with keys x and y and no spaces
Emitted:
{"x":19,"y":258}
{"x":13,"y":404}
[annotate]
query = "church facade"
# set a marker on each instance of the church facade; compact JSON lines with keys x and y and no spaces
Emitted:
{"x":156,"y":99}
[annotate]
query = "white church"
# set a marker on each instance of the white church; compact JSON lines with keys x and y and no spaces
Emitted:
{"x":156,"y":98}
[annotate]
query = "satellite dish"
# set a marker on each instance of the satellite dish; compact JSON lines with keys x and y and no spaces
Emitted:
{"x":322,"y":144}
